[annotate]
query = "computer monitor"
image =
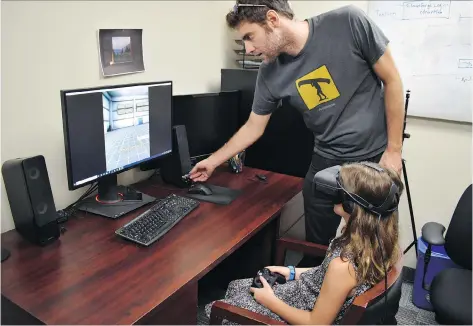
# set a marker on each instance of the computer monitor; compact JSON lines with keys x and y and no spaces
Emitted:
{"x":108,"y":130}
{"x":211,"y":119}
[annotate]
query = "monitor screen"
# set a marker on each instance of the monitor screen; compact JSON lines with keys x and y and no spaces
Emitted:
{"x":211,"y":119}
{"x":114,"y":128}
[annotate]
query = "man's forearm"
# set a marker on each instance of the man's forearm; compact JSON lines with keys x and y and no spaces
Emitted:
{"x":240,"y":141}
{"x":394,"y":114}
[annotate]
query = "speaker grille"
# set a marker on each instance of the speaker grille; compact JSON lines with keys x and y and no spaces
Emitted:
{"x":33,"y":173}
{"x":39,"y":190}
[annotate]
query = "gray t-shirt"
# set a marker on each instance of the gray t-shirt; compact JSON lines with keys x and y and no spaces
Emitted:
{"x":332,"y":83}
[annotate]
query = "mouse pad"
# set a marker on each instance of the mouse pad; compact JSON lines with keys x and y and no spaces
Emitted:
{"x":220,"y":195}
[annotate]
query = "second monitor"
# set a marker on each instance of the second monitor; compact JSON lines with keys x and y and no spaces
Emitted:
{"x":211,"y":120}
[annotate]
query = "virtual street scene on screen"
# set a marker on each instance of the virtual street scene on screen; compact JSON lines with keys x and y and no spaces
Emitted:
{"x":126,"y":126}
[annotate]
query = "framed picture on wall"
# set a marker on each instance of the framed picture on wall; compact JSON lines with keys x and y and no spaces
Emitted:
{"x":120,"y":51}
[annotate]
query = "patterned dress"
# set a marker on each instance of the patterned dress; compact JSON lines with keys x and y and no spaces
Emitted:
{"x":300,"y":293}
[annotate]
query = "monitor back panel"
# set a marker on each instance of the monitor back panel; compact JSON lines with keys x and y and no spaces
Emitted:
{"x":211,"y":119}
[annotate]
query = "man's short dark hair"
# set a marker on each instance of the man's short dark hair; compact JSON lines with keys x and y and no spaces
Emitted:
{"x":256,"y":11}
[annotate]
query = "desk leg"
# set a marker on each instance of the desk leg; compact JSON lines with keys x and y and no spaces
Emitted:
{"x":178,"y":309}
{"x":271,"y":233}
{"x":258,"y":252}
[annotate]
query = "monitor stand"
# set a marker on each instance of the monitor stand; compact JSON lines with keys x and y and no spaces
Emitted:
{"x":114,"y":201}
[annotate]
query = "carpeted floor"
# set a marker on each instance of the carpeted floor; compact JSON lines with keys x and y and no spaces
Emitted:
{"x":408,"y":313}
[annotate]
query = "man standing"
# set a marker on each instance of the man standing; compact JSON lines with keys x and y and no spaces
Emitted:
{"x":336,"y":69}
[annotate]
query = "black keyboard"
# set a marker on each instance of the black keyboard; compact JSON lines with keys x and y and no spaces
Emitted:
{"x":151,"y":225}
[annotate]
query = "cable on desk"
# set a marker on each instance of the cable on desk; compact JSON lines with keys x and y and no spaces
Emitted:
{"x":155,"y":173}
{"x":69,"y":211}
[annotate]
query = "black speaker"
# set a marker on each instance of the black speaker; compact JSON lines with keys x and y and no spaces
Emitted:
{"x":31,"y":200}
{"x":179,"y":163}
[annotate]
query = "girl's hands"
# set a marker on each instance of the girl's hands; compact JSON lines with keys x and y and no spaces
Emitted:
{"x":265,"y":295}
{"x":283,"y":270}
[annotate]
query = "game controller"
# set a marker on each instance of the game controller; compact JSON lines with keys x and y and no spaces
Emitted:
{"x":270,"y":277}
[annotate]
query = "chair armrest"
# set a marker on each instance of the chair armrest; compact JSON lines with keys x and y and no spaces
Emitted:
{"x":221,"y":310}
{"x":305,"y":247}
{"x":432,"y":233}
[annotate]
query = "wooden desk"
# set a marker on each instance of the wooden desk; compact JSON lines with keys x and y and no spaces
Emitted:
{"x":92,"y":276}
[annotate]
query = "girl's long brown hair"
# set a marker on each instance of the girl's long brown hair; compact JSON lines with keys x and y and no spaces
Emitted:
{"x":359,"y":240}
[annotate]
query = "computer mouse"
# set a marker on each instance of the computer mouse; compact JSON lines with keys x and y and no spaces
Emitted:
{"x":200,"y":189}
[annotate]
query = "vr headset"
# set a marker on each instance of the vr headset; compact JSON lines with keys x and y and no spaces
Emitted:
{"x":328,"y":182}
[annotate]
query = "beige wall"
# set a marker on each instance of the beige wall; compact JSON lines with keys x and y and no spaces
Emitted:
{"x":49,"y":46}
{"x":40,"y":47}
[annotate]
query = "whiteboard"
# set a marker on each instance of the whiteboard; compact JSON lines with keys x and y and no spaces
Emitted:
{"x":431,"y":45}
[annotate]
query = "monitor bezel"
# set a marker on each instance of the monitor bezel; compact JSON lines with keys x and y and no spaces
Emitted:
{"x":65,"y":128}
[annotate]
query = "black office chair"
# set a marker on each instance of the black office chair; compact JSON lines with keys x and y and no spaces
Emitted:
{"x":450,"y":290}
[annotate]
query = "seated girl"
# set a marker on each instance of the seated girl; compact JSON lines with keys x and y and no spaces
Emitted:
{"x":354,"y":261}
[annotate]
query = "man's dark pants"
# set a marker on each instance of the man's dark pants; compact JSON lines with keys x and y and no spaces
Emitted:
{"x":321,"y":223}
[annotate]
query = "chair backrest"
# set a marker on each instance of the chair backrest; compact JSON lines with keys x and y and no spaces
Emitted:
{"x":370,"y":308}
{"x":458,"y":237}
{"x":376,"y":309}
